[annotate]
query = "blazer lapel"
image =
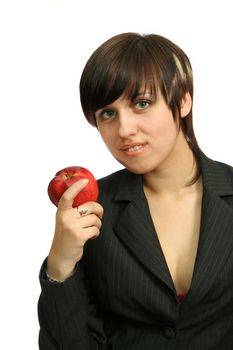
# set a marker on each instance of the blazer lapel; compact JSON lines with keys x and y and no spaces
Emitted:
{"x":135,"y":228}
{"x":216,"y":233}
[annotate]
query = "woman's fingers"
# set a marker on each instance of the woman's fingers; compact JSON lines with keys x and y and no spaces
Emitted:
{"x":91,"y":225}
{"x":83,"y":222}
{"x":74,"y":227}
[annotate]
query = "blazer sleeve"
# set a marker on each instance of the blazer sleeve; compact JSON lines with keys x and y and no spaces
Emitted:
{"x":68,"y":315}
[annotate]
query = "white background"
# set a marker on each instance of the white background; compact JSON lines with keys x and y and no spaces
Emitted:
{"x":44,"y":45}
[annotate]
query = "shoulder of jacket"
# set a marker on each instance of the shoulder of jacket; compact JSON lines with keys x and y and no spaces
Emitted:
{"x":226,"y":168}
{"x":213,"y":165}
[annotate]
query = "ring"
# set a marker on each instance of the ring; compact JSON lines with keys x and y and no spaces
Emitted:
{"x":82,"y":211}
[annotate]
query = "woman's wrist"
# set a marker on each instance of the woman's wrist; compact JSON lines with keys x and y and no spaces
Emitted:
{"x":58,"y":272}
{"x":52,"y":279}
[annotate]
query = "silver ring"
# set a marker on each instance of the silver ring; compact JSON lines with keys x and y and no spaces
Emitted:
{"x":82,"y":211}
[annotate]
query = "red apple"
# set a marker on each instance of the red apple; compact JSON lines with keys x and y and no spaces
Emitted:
{"x":65,"y":178}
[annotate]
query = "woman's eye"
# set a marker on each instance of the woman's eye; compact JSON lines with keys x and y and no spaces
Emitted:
{"x":142,"y":104}
{"x":107,"y":114}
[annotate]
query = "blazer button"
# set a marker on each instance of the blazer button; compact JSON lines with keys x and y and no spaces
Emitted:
{"x":169,"y":333}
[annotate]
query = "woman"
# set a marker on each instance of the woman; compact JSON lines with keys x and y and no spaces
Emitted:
{"x":150,"y":266}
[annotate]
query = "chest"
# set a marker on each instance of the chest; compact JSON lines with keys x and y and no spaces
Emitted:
{"x":177,"y":225}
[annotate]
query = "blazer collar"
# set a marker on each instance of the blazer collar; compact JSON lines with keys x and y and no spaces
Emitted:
{"x":130,"y":187}
{"x":136,"y":230}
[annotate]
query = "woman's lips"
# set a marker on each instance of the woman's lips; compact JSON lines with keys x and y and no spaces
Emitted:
{"x":133,"y":149}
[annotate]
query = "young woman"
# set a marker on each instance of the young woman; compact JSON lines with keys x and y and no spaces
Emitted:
{"x":150,"y":266}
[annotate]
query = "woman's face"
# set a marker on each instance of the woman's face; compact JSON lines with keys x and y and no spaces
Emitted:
{"x":141,"y":133}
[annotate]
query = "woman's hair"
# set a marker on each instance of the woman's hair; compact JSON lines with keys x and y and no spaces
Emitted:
{"x":128,"y":63}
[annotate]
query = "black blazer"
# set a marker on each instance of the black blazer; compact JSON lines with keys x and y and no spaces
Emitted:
{"x":122,"y":295}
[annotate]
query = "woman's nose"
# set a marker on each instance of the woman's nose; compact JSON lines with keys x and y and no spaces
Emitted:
{"x":127,"y":125}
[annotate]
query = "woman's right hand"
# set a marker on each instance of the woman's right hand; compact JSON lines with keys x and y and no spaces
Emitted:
{"x":74,"y":226}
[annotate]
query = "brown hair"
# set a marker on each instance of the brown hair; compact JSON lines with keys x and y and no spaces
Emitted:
{"x":125,"y":62}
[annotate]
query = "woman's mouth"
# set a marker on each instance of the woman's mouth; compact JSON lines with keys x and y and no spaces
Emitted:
{"x":133,"y":149}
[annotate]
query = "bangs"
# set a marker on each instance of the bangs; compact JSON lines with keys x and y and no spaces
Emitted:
{"x":128,"y":77}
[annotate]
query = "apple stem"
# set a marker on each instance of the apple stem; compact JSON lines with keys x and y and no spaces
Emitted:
{"x":67,"y":176}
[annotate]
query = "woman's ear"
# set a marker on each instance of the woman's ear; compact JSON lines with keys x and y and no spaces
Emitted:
{"x":186,"y":105}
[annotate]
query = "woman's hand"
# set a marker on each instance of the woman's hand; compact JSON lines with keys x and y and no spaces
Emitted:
{"x":74,"y":226}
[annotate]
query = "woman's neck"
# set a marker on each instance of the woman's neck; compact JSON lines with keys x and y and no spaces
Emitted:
{"x":173,"y":175}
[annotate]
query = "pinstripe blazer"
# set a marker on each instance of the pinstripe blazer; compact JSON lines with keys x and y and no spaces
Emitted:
{"x":122,"y":295}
